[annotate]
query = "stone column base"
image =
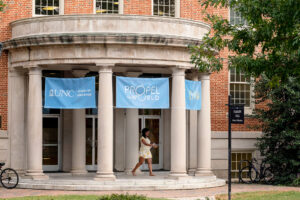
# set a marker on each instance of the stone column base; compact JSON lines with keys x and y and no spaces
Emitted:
{"x":105,"y":177}
{"x":178,"y":175}
{"x":191,"y":172}
{"x":204,"y":172}
{"x":21,"y":172}
{"x":36,"y":175}
{"x":78,"y":172}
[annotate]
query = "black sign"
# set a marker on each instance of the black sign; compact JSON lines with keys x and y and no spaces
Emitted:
{"x":237,"y":114}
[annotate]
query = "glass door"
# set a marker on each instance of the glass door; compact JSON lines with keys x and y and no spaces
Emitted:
{"x":154,"y":124}
{"x":51,"y":143}
{"x":91,"y":142}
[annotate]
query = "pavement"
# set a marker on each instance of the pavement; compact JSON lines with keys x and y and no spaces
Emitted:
{"x":170,"y":194}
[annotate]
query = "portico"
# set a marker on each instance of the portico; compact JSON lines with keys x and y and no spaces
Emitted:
{"x":105,"y":46}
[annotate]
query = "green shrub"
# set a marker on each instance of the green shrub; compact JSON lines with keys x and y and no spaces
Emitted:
{"x":296,"y":182}
{"x":280,"y":124}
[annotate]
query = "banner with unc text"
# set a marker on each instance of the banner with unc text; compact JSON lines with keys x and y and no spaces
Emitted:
{"x":193,"y":95}
{"x":142,"y":92}
{"x":70,"y":93}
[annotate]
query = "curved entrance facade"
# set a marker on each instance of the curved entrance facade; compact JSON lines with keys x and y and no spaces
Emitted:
{"x":105,"y":140}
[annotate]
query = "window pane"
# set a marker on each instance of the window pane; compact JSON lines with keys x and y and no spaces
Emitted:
{"x":235,"y":18}
{"x":235,"y":164}
{"x":164,"y":8}
{"x":239,"y":88}
{"x":155,"y":10}
{"x":37,"y":10}
{"x":56,"y":2}
{"x":238,"y":79}
{"x":107,"y":6}
{"x":47,"y":7}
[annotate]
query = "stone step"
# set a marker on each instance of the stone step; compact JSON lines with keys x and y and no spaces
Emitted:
{"x":117,"y":185}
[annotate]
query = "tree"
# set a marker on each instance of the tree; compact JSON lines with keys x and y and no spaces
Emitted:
{"x":280,"y":123}
{"x":267,"y":48}
{"x":269,"y":44}
{"x":2,"y":5}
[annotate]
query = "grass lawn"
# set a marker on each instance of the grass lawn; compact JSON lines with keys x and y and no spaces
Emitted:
{"x":85,"y":197}
{"x":272,"y":195}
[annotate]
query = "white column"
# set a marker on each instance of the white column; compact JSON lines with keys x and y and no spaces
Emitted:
{"x":132,"y":135}
{"x":16,"y":123}
{"x":35,"y":126}
{"x":192,"y":147}
{"x":132,"y":139}
{"x":78,"y":142}
{"x":178,"y":124}
{"x":105,"y":125}
{"x":78,"y":136}
{"x":204,"y":129}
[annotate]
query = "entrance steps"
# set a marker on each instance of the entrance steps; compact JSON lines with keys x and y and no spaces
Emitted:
{"x":123,"y":182}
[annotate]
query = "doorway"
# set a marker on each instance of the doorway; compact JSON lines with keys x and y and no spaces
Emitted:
{"x":51,"y":143}
{"x":91,"y":142}
{"x":154,"y":123}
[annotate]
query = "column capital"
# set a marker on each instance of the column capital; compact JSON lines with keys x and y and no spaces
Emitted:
{"x":34,"y":70}
{"x":177,"y":71}
{"x":105,"y":68}
{"x":204,"y":76}
{"x":194,"y":75}
{"x":13,"y":72}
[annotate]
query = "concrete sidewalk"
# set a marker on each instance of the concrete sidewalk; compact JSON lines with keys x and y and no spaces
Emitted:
{"x":172,"y":194}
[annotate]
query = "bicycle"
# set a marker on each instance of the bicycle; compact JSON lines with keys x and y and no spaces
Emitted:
{"x":9,"y":178}
{"x":253,"y":175}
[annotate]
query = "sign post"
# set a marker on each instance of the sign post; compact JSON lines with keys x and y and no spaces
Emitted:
{"x":235,"y":116}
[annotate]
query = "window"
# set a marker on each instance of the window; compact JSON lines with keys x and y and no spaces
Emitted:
{"x":240,"y":89}
{"x":107,"y":6}
{"x":46,"y":7}
{"x":164,"y":8}
{"x":235,"y":18}
{"x":235,"y":163}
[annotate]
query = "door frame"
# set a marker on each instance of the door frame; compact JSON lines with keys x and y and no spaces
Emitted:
{"x":93,"y":166}
{"x":158,"y":166}
{"x":59,"y":147}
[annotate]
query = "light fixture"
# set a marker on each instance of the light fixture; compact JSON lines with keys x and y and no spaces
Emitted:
{"x":101,"y":11}
{"x":50,"y":8}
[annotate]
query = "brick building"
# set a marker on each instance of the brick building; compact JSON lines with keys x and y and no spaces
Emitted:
{"x":145,"y":38}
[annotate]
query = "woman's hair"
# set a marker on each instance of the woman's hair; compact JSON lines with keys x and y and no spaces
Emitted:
{"x":144,"y":131}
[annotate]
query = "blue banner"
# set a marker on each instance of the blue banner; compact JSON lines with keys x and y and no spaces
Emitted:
{"x":193,"y":95}
{"x":142,"y":93}
{"x":70,"y":93}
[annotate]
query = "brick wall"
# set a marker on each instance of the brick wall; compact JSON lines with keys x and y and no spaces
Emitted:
{"x":15,"y":9}
{"x":79,"y":7}
{"x":190,"y":9}
{"x":138,"y":7}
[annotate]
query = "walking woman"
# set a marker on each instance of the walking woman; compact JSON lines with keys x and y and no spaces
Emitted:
{"x":145,"y":153}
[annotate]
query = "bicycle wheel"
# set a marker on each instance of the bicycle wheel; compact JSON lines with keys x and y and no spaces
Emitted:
{"x":268,"y":175}
{"x":247,"y":174}
{"x":9,"y":178}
